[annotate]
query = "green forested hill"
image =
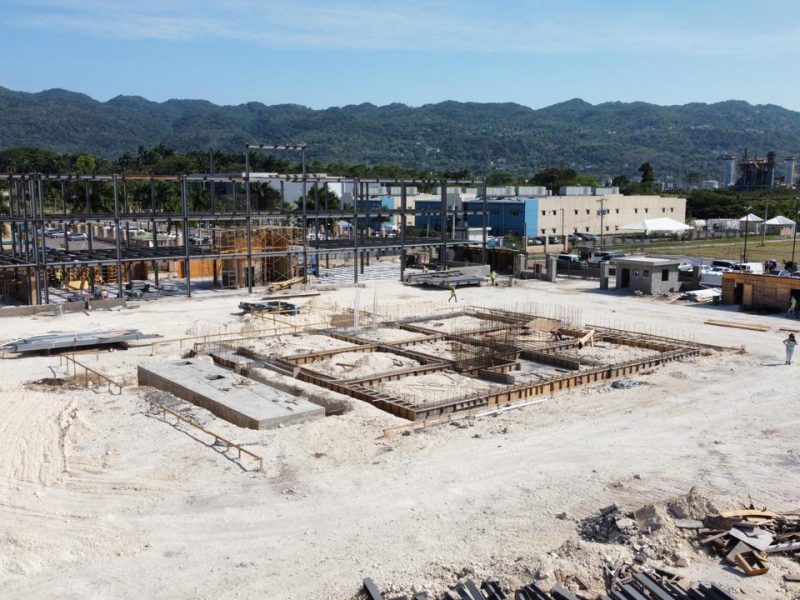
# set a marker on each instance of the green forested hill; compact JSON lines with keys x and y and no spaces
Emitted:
{"x":606,"y":139}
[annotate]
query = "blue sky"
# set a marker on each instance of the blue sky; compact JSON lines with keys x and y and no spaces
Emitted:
{"x":322,"y":54}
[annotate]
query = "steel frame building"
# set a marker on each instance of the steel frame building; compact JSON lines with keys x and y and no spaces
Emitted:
{"x":29,"y":212}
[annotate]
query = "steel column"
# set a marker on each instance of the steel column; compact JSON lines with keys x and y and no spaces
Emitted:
{"x":485,"y":221}
{"x":248,"y":219}
{"x":117,"y":238}
{"x":354,"y":228}
{"x":185,"y":204}
{"x":305,"y":214}
{"x":403,"y":206}
{"x":443,"y":221}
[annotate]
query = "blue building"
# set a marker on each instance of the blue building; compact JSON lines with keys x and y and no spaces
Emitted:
{"x":517,"y":216}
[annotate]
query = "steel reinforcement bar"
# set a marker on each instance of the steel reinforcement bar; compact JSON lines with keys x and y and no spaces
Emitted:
{"x":551,"y":386}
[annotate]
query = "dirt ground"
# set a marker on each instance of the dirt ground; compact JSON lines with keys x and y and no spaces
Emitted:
{"x":102,"y":498}
{"x":436,"y":387}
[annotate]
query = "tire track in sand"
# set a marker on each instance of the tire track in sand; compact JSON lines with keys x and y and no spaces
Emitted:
{"x":32,"y":432}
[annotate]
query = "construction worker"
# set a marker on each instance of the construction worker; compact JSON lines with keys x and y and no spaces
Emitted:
{"x":791,"y":344}
{"x":453,"y":296}
{"x":792,"y":312}
{"x":493,"y":276}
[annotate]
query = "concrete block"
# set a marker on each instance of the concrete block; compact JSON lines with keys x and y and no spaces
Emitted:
{"x":236,"y":399}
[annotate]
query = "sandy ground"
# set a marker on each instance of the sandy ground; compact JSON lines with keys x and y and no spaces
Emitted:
{"x":463,"y":324}
{"x":386,"y":334}
{"x":291,"y":344}
{"x":436,"y":387}
{"x":355,"y":365}
{"x":605,"y":354}
{"x":100,"y":498}
{"x":440,"y":349}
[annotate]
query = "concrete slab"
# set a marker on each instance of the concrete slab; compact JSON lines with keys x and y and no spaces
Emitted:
{"x":239,"y":400}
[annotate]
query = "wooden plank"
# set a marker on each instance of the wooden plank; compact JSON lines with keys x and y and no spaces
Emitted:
{"x":751,"y":327}
{"x":751,"y":564}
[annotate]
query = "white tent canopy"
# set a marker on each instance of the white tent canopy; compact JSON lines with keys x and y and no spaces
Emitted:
{"x":779,"y":220}
{"x":663,"y":224}
{"x":751,"y":218}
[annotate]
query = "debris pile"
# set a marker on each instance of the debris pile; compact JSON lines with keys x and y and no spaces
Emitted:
{"x":747,"y":538}
{"x":638,"y":586}
{"x":610,"y":525}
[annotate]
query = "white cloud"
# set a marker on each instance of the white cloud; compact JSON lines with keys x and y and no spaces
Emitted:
{"x":532,"y":27}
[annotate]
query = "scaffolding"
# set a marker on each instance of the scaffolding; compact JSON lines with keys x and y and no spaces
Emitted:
{"x":232,"y":242}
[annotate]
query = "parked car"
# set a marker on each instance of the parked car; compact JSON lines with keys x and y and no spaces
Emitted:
{"x":535,"y":241}
{"x":588,"y":237}
{"x":55,"y":233}
{"x":76,"y":237}
{"x":570,"y":261}
{"x":601,"y":257}
{"x":733,"y":265}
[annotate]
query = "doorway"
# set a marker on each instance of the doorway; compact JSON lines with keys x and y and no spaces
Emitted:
{"x":625,"y":279}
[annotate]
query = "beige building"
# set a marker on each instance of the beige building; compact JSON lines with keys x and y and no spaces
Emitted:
{"x":564,"y":215}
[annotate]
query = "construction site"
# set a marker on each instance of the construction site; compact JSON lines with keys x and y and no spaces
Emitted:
{"x":131,"y":235}
{"x":380,"y":441}
{"x":204,"y":398}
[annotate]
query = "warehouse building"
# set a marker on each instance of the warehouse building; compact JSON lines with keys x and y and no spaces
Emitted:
{"x":553,"y":215}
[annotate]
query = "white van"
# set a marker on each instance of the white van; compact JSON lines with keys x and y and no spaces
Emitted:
{"x":752,"y":267}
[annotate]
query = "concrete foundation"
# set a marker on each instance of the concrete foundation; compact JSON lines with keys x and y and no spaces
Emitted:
{"x":236,"y":399}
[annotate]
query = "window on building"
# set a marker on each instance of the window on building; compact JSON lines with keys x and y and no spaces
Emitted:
{"x":574,"y":230}
{"x":617,"y":211}
{"x":607,"y":227}
{"x":544,"y":230}
{"x":544,"y":213}
{"x":663,"y":210}
{"x":588,"y":211}
{"x":554,"y":212}
{"x":587,"y":229}
{"x":636,"y":210}
{"x":646,"y":210}
{"x":553,"y":230}
{"x":671,"y":209}
{"x":664,"y":274}
{"x":576,"y":211}
{"x":616,"y":227}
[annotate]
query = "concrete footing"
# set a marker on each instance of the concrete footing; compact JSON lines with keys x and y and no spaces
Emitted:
{"x":236,"y":399}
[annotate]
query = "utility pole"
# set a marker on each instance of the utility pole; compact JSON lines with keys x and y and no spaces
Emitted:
{"x":602,"y":213}
{"x":747,"y":210}
{"x":764,"y":226}
{"x":796,"y":214}
{"x":563,"y":237}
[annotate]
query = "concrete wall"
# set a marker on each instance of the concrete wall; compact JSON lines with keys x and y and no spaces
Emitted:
{"x":64,"y":307}
{"x":648,"y":279}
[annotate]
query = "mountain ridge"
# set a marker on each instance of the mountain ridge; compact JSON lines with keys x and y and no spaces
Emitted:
{"x":608,"y":138}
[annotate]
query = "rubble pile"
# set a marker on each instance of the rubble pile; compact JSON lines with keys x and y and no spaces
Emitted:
{"x":610,"y":525}
{"x":747,"y":538}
